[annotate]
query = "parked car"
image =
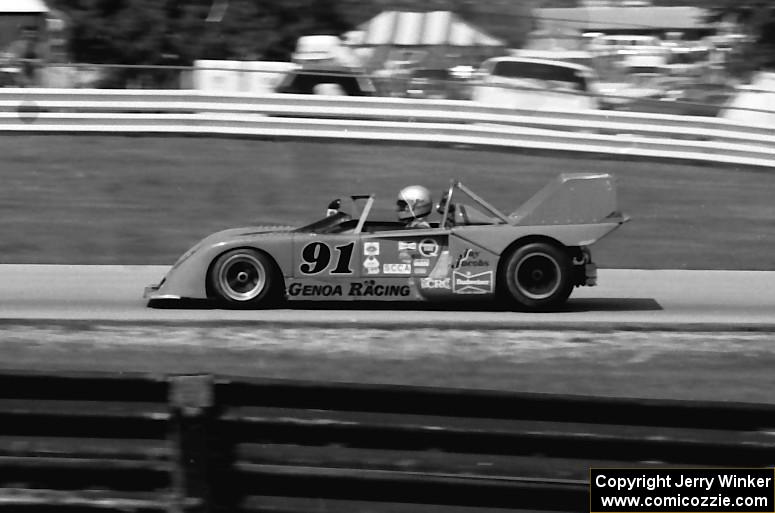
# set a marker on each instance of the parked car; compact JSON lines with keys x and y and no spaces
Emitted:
{"x":536,"y":84}
{"x":440,"y":83}
{"x":429,"y":83}
{"x":327,"y":80}
{"x":628,"y":44}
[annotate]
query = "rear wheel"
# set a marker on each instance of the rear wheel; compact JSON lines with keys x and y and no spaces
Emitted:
{"x":537,"y":276}
{"x":243,"y":277}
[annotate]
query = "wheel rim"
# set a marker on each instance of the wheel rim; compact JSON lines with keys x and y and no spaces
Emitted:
{"x":242,"y":277}
{"x":537,"y":276}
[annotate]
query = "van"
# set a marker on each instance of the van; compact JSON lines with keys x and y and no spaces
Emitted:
{"x":327,"y":80}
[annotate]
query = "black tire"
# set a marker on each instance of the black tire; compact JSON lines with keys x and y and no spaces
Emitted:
{"x":537,"y":276}
{"x":244,"y":278}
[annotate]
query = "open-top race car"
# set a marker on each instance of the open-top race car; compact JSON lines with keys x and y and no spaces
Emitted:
{"x":530,"y":259}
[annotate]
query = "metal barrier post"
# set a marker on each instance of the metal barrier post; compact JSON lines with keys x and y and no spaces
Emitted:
{"x":191,"y":402}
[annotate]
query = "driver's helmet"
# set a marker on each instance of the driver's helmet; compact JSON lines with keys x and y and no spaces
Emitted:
{"x":414,"y":201}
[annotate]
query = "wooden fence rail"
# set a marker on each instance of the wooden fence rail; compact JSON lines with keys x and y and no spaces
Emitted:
{"x":210,"y":444}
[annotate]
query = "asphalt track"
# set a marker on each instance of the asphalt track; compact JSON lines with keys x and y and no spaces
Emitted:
{"x":624,"y":299}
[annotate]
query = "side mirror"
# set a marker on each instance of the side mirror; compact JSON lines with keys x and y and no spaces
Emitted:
{"x":442,"y":204}
{"x":333,"y":207}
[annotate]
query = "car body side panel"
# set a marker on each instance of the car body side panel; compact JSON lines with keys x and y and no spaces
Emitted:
{"x":472,"y":269}
{"x":409,"y":252}
{"x":188,"y":277}
{"x":497,"y":238}
{"x":408,"y":265}
{"x":386,"y":266}
{"x":325,"y":257}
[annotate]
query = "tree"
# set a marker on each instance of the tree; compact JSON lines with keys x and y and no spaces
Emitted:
{"x":161,"y":31}
{"x":508,"y":20}
{"x":758,"y":21}
{"x":177,"y":32}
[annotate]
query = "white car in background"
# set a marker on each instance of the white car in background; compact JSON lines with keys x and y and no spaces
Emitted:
{"x":628,"y":44}
{"x":535,"y":84}
{"x":754,"y":103}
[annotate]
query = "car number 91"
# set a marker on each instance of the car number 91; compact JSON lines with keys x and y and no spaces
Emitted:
{"x":316,"y":257}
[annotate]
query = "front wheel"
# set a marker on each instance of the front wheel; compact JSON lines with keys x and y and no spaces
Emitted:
{"x":537,"y":276}
{"x":243,"y":277}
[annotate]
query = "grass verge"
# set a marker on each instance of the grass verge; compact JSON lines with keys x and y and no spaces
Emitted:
{"x":144,"y":200}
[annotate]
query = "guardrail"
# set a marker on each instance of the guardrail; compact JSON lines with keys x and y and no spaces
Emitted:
{"x":407,"y":120}
{"x":376,"y":131}
{"x":203,"y":443}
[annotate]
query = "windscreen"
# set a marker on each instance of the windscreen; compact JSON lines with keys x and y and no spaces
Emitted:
{"x":433,"y":74}
{"x":539,"y":71}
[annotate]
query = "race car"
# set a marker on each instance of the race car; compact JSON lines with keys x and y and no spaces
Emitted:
{"x":530,"y":259}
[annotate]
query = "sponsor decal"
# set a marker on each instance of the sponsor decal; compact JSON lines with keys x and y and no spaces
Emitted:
{"x":466,"y":282}
{"x":396,"y":268}
{"x":372,"y":288}
{"x":372,"y":265}
{"x":429,"y":248}
{"x":316,"y":257}
{"x":371,"y":248}
{"x":433,"y":283}
{"x":421,"y":262}
{"x":405,"y":257}
{"x":368,"y":288}
{"x":470,"y":258}
{"x":407,"y":246}
{"x":421,"y":270}
{"x":299,"y":289}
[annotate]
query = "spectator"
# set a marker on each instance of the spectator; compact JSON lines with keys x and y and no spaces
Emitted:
{"x":26,"y":52}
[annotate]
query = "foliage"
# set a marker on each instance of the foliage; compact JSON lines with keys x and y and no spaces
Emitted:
{"x":176,"y":32}
{"x":757,"y":19}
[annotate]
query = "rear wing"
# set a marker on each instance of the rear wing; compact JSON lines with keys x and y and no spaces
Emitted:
{"x":572,"y":198}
